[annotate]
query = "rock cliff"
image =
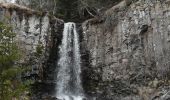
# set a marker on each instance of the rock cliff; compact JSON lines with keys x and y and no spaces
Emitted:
{"x":129,"y":52}
{"x":38,"y":35}
{"x":125,"y":53}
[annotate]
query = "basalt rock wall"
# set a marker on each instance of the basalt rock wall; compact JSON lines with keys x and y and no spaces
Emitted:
{"x":128,"y":52}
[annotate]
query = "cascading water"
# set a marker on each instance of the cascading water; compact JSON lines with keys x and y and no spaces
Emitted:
{"x":12,"y":1}
{"x":8,"y":1}
{"x":68,"y":83}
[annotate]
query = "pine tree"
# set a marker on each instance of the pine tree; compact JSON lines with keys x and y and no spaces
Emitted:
{"x":11,"y":85}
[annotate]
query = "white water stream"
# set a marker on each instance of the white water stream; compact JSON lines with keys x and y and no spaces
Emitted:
{"x":7,"y":1}
{"x":68,"y":83}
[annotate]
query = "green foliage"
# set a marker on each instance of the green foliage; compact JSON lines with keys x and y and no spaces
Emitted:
{"x":8,"y":48}
{"x":39,"y":50}
{"x":11,"y":85}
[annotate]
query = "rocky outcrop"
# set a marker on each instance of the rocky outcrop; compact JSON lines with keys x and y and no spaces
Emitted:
{"x":128,"y":51}
{"x":38,"y":35}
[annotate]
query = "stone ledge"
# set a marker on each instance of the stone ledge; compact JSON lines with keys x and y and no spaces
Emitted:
{"x":21,"y":9}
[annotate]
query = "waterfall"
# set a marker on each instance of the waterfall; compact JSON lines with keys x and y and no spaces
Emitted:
{"x":8,"y":1}
{"x":68,"y":82}
{"x":12,"y":1}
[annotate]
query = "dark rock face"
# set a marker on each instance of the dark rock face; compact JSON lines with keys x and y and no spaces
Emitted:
{"x":46,"y":87}
{"x":127,"y":54}
{"x":50,"y":67}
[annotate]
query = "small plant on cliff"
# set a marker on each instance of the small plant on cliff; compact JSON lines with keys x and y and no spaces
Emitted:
{"x":11,"y":86}
{"x":39,"y":50}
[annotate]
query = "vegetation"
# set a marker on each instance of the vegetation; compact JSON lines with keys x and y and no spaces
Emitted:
{"x":39,"y":50}
{"x":11,"y":86}
{"x":71,"y":10}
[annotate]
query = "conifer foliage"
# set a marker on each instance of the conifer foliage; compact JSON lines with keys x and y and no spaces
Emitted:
{"x":11,"y":86}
